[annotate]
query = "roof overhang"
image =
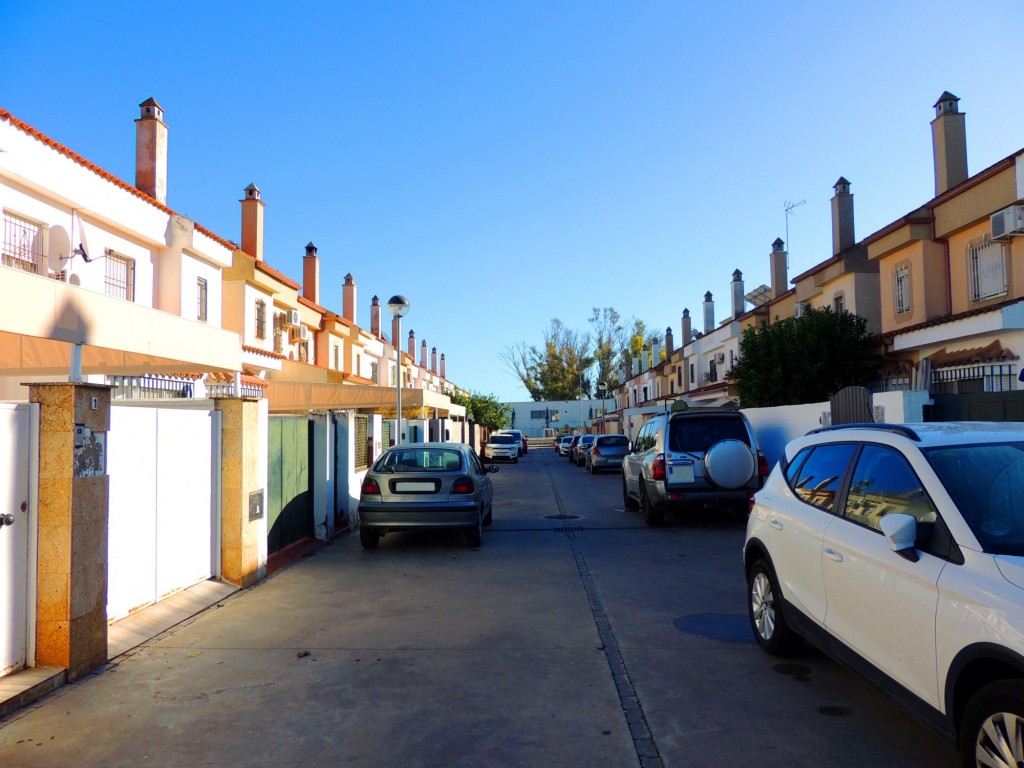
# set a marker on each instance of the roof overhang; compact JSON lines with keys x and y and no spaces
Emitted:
{"x":300,"y":397}
{"x":41,"y":320}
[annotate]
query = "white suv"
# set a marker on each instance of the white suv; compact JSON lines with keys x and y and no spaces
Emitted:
{"x":899,"y":550}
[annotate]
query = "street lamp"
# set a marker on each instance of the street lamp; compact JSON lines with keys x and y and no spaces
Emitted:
{"x":602,"y":387}
{"x":398,"y":306}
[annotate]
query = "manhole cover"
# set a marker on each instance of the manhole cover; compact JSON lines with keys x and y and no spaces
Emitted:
{"x":562,"y":517}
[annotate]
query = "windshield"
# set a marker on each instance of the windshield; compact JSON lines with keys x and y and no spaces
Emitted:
{"x":698,"y":433}
{"x":501,"y":440}
{"x":617,"y":440}
{"x":986,"y":481}
{"x":419,"y":460}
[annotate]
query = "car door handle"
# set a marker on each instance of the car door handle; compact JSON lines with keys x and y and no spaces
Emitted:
{"x":775,"y":523}
{"x":831,"y":554}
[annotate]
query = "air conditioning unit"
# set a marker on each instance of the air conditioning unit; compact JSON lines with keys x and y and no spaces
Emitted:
{"x":61,"y":275}
{"x":291,"y":318}
{"x":1008,"y":222}
{"x":720,"y":358}
{"x":301,"y":333}
{"x":706,"y":378}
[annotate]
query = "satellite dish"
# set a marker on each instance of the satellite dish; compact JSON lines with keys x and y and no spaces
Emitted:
{"x":75,"y":280}
{"x":60,"y":249}
{"x":83,"y":244}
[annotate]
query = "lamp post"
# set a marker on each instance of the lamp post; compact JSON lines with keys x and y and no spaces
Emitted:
{"x":581,"y":400}
{"x":602,"y":387}
{"x":398,"y":305}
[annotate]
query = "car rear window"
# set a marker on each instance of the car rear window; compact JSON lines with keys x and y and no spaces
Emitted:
{"x":616,"y":440}
{"x":419,"y":460}
{"x":700,"y":433}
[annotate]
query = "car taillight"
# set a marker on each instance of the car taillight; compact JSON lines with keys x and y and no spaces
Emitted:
{"x":658,"y":467}
{"x":462,"y":485}
{"x":762,"y":464}
{"x":595,"y":451}
{"x":370,"y":486}
{"x":750,"y":503}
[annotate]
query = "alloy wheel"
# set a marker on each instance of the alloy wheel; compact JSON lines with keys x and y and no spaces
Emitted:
{"x":762,"y":602}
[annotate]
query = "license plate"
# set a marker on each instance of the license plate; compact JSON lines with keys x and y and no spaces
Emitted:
{"x":414,"y":486}
{"x":680,"y":473}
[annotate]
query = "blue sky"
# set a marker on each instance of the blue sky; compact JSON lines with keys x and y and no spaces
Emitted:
{"x":504,"y":163}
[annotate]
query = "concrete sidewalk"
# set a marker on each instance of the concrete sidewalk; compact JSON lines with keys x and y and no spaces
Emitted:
{"x":26,"y":686}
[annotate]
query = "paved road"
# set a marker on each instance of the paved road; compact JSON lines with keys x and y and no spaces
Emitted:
{"x":575,"y":636}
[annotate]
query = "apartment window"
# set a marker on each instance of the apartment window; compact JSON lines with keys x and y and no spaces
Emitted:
{"x":986,"y":270}
{"x":261,"y":319}
{"x":901,"y":288}
{"x":839,"y":303}
{"x":201,"y":298}
{"x":337,"y":357}
{"x":22,"y":246}
{"x":693,"y":374}
{"x":119,"y":278}
{"x":538,"y":415}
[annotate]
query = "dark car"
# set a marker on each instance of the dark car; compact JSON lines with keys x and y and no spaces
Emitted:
{"x":607,"y":453}
{"x":583,"y":448}
{"x":425,"y":485}
{"x":572,"y":447}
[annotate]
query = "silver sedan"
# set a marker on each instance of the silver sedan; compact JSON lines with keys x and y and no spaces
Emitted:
{"x":425,"y":485}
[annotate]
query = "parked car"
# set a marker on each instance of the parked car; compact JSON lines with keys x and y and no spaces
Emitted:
{"x":607,"y":453}
{"x":501,"y":445}
{"x":521,"y":442}
{"x":562,"y":444}
{"x":695,"y":458}
{"x":572,"y":447}
{"x":425,"y":485}
{"x":900,"y":551}
{"x":582,"y":448}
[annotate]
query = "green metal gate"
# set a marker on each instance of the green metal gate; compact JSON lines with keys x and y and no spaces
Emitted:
{"x":289,"y":481}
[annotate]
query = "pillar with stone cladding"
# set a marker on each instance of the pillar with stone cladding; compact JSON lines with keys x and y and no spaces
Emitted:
{"x":74,"y":490}
{"x":243,"y":549}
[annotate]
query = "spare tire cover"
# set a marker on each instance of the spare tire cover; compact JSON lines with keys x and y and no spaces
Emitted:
{"x":729,"y":464}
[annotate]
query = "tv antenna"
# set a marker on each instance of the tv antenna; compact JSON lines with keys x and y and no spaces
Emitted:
{"x":788,"y":207}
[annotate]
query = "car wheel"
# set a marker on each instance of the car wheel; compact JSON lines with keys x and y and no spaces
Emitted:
{"x":489,"y":517}
{"x":474,"y":535}
{"x":992,"y":723}
{"x":653,"y":517}
{"x":767,"y":619}
{"x":369,"y":537}
{"x":627,"y":501}
{"x":590,"y":468}
{"x":515,"y":460}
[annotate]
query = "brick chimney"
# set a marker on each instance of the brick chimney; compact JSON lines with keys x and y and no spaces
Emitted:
{"x":949,"y":143}
{"x":151,"y":151}
{"x":433,"y":359}
{"x":709,"y":313}
{"x":252,"y":222}
{"x":738,"y":301}
{"x":687,"y":329}
{"x":444,"y":375}
{"x":842,"y":217}
{"x":348,"y":298}
{"x":423,"y":354}
{"x":412,"y":345}
{"x":779,"y":268}
{"x":669,"y":346}
{"x":311,"y":274}
{"x":375,"y":317}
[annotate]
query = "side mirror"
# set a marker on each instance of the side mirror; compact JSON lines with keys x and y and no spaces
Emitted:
{"x":492,"y":467}
{"x":901,"y":531}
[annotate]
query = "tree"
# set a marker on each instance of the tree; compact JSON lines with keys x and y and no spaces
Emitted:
{"x":486,"y":409}
{"x":639,"y":339}
{"x":555,"y":370}
{"x":609,"y":340}
{"x":802,"y":359}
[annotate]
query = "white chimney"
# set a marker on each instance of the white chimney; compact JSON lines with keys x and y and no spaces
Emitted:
{"x":738,"y":301}
{"x":709,"y":313}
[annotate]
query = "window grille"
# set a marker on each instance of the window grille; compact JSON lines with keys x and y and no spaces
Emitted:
{"x":361,"y":448}
{"x":986,"y":269}
{"x":261,"y":319}
{"x":119,"y":278}
{"x":279,"y":332}
{"x":538,"y":415}
{"x":901,"y":289}
{"x":201,"y":296}
{"x":151,"y":387}
{"x":22,"y":246}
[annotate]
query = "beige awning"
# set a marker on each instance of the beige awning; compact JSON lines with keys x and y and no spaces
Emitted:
{"x":42,"y":319}
{"x":299,"y":397}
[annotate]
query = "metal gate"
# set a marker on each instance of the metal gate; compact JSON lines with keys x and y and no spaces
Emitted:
{"x":983,"y":406}
{"x":164,"y":514}
{"x":289,"y":481}
{"x":19,"y":479}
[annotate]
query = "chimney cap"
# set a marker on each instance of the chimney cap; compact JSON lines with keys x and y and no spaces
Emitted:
{"x":841,"y":183}
{"x":779,"y":244}
{"x":375,"y":301}
{"x":310,"y":248}
{"x":349,"y":280}
{"x":686,"y":313}
{"x":707,"y":296}
{"x":252,"y":192}
{"x":668,"y":331}
{"x":150,"y":108}
{"x":947,"y":97}
{"x":737,"y":276}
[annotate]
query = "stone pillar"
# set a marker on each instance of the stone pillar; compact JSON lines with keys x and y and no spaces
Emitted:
{"x":74,"y":488}
{"x":243,"y":538}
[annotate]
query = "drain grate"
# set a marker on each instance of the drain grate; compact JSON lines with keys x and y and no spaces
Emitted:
{"x":562,"y":517}
{"x":569,"y":529}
